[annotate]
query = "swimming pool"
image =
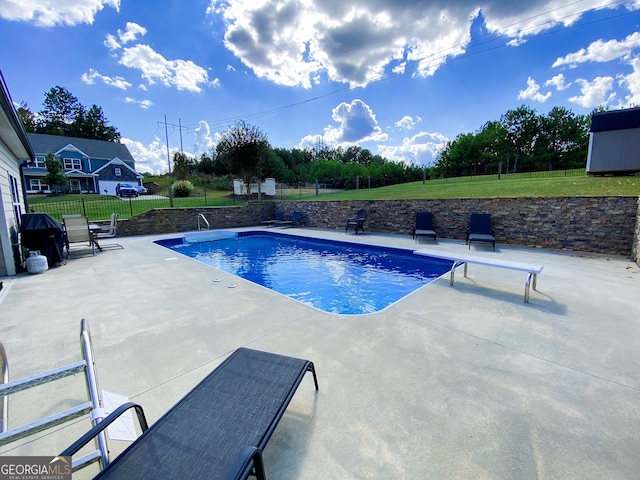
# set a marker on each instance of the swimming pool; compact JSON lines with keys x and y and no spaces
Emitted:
{"x":337,"y":277}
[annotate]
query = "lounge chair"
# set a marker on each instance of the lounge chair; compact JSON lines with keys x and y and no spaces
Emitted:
{"x":356,"y":223}
{"x":219,"y":429}
{"x":279,"y":217}
{"x":423,"y":226}
{"x":109,"y":232}
{"x":292,"y":222}
{"x":77,"y":230}
{"x":480,"y":230}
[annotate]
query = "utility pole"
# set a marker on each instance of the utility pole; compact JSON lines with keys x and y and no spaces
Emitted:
{"x":166,"y":133}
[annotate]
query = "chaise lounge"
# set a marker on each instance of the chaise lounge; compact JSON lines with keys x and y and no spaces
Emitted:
{"x":219,"y":429}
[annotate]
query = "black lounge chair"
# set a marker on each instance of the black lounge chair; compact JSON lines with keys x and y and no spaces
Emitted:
{"x":279,"y":217}
{"x":356,"y":223}
{"x":480,"y":230}
{"x":423,"y":226}
{"x":219,"y":429}
{"x":292,"y":222}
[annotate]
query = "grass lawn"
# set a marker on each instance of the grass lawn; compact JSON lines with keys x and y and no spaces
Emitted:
{"x":577,"y":183}
{"x":491,"y":187}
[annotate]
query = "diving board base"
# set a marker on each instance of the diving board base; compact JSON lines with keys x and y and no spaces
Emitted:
{"x":460,"y":259}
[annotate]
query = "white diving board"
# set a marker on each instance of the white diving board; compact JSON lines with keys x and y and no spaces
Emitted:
{"x":460,"y":258}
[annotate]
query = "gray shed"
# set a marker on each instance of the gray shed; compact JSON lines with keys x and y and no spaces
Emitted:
{"x":614,"y":142}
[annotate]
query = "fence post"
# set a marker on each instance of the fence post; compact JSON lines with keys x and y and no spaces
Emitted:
{"x":84,"y":209}
{"x":130,"y":207}
{"x":205,"y":197}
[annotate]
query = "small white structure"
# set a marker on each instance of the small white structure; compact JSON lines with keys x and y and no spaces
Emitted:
{"x":268,"y":187}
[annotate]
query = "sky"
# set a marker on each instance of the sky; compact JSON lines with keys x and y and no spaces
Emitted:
{"x":398,"y":77}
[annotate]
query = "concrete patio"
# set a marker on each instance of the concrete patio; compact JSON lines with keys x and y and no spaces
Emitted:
{"x":463,"y":382}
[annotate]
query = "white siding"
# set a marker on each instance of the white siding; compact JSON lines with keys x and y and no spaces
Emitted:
{"x":8,"y":221}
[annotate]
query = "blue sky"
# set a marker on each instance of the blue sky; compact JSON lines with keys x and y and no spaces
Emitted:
{"x":399,"y":77}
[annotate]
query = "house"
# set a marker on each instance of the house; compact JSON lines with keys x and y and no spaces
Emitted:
{"x":92,"y":166}
{"x":14,"y":150}
{"x":614,"y":142}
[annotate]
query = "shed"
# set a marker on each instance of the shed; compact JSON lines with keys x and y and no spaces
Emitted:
{"x":614,"y":142}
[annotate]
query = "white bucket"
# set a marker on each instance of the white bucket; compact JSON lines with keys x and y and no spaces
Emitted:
{"x":37,"y":263}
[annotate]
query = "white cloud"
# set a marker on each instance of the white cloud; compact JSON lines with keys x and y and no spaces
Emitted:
{"x":532,"y":92}
{"x":632,"y":83}
{"x":182,"y":74}
{"x":150,"y":158}
{"x":601,"y":51}
{"x":131,"y":33}
{"x":408,"y":123}
{"x":144,"y":104}
{"x":595,"y":93}
{"x":420,"y":149}
{"x":48,"y":13}
{"x":118,"y":82}
{"x":558,"y":82}
{"x":203,"y":142}
{"x":294,"y":42}
{"x":357,"y":124}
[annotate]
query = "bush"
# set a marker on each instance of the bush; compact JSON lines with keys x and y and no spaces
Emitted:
{"x":182,"y":188}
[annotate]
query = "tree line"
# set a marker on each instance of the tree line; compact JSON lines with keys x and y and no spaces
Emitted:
{"x":521,"y":141}
{"x":63,"y":114}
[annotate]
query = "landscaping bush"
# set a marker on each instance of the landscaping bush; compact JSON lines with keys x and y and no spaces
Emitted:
{"x":182,"y":188}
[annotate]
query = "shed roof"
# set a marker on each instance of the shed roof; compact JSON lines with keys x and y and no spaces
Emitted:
{"x":615,"y":120}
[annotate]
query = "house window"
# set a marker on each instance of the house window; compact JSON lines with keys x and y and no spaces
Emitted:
{"x":40,"y":161}
{"x":36,"y":185}
{"x":72,"y":163}
{"x":118,"y":172}
{"x":15,"y":198}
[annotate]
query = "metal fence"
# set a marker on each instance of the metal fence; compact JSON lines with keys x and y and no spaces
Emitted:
{"x":100,"y":207}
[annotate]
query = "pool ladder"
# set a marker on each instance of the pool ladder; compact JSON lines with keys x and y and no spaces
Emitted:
{"x":201,"y":216}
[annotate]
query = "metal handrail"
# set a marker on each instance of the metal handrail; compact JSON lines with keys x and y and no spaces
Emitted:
{"x":94,"y":407}
{"x":201,"y":215}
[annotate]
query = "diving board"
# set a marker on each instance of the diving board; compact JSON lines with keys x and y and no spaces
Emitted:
{"x":464,"y":259}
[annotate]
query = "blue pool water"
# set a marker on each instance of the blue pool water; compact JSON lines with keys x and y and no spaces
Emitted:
{"x":337,"y":277}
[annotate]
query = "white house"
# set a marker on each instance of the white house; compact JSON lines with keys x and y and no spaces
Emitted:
{"x":14,"y":149}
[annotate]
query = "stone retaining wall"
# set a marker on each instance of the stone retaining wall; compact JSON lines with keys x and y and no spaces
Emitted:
{"x":595,"y":224}
{"x":169,"y":220}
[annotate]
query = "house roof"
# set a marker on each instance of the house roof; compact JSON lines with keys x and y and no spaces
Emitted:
{"x":96,"y":149}
{"x":11,"y":131}
{"x":118,"y":162}
{"x":615,"y":120}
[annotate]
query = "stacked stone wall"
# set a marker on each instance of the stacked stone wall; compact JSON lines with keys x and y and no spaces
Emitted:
{"x":594,"y":224}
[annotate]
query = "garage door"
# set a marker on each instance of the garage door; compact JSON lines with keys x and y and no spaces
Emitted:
{"x":110,"y":187}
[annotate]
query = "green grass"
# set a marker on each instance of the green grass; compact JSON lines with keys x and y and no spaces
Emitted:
{"x":541,"y":184}
{"x":100,"y":207}
{"x":491,"y":187}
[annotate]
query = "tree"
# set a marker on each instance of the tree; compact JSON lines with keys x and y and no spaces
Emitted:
{"x":183,"y":165}
{"x":245,"y":149}
{"x":54,"y":177}
{"x":26,"y":117}
{"x":63,"y":114}
{"x":523,"y":126}
{"x":59,"y":112}
{"x":93,"y":124}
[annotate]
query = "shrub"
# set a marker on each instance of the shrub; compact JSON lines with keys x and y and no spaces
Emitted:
{"x":182,"y":188}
